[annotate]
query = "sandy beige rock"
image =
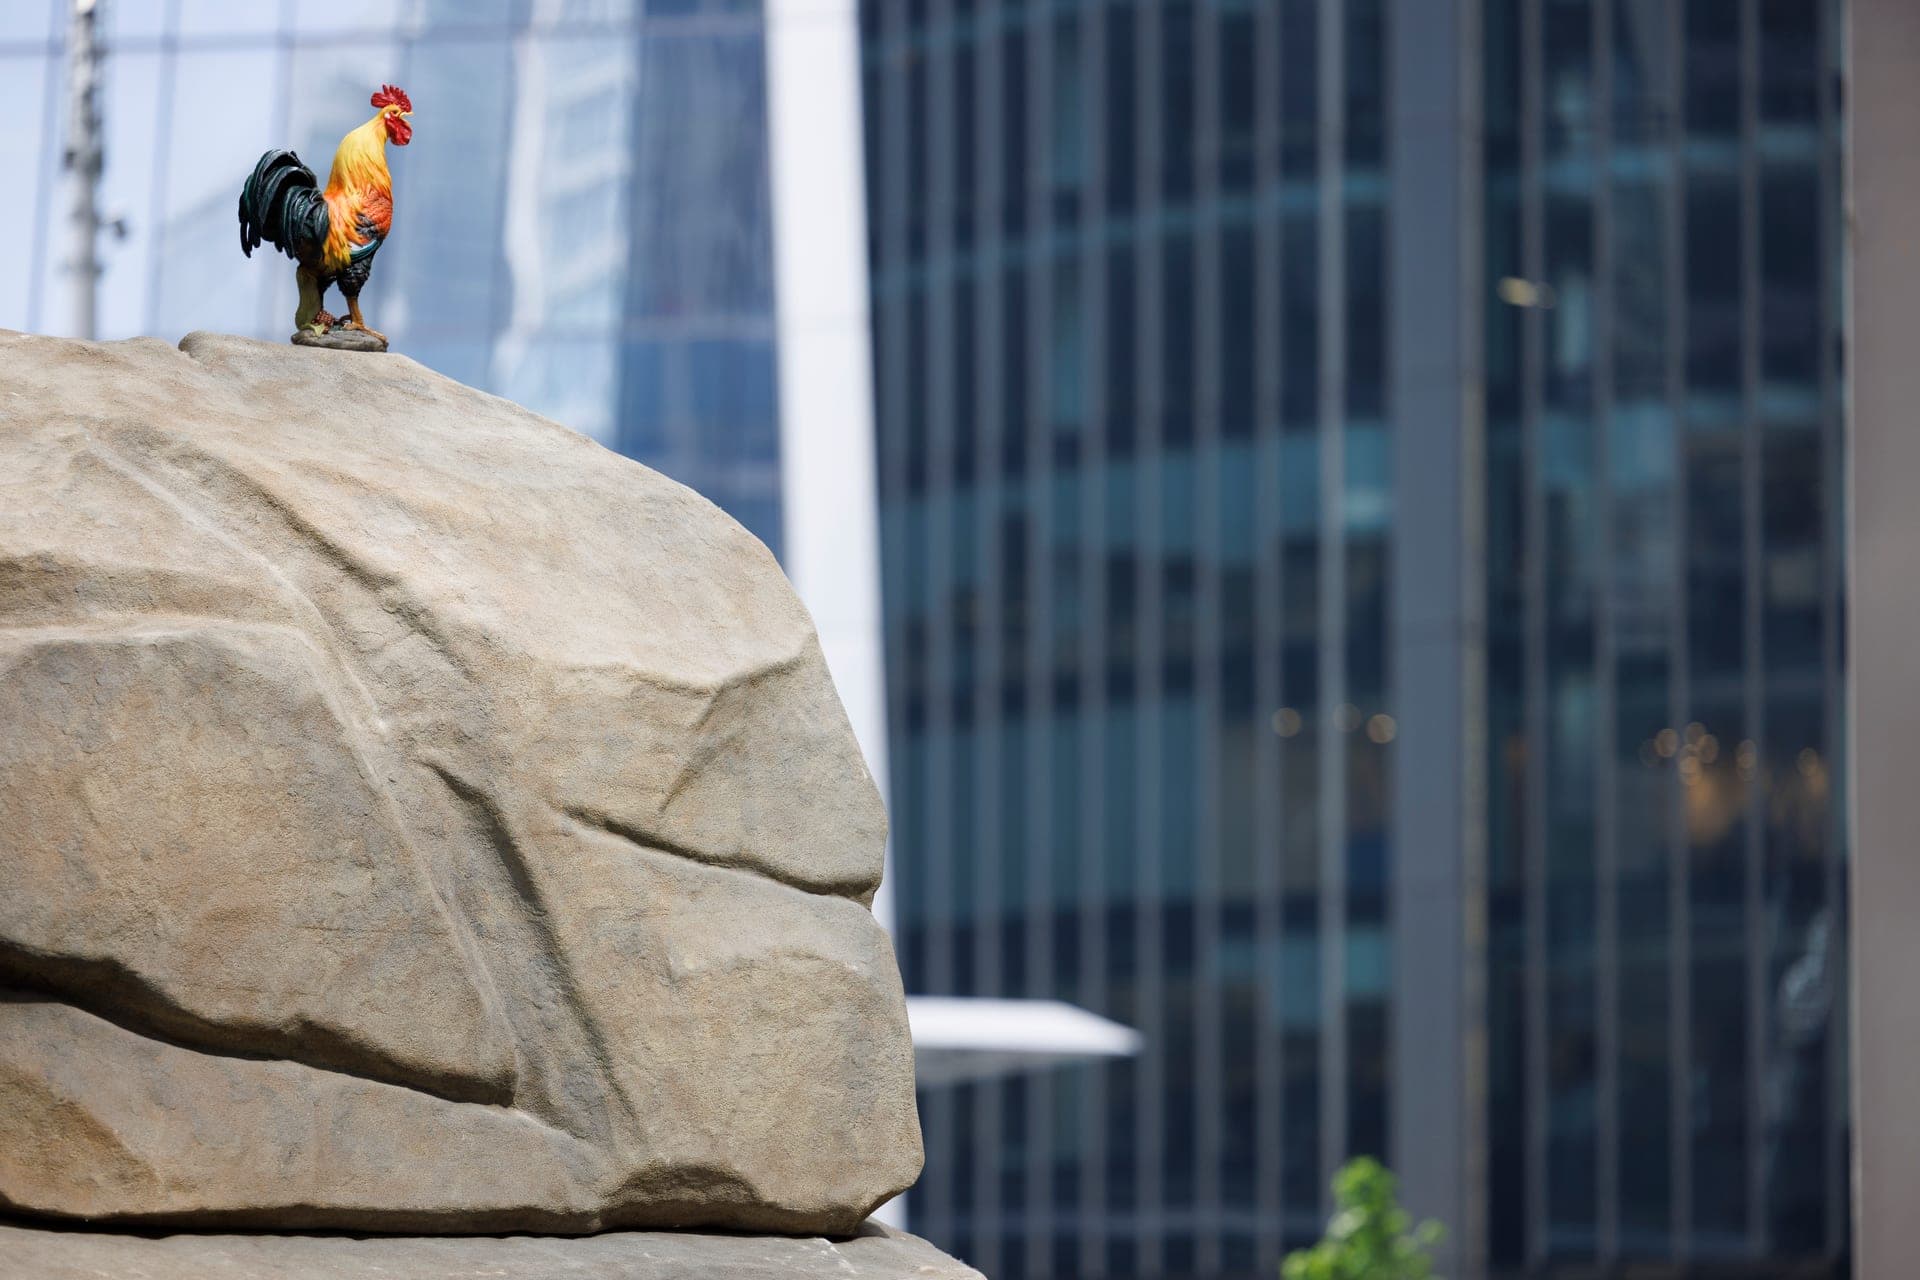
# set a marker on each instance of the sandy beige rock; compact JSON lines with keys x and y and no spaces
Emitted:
{"x":875,"y":1253}
{"x":418,"y":818}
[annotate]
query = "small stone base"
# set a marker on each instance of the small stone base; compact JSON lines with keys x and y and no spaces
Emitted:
{"x":340,"y":340}
{"x":876,"y":1253}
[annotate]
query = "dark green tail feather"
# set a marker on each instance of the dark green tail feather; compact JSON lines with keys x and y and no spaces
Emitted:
{"x":281,"y":203}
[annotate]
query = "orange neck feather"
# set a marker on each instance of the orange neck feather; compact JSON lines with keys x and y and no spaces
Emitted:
{"x":361,"y":161}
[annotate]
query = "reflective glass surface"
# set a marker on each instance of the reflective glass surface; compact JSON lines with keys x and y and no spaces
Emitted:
{"x":1666,"y":856}
{"x":1138,"y":656}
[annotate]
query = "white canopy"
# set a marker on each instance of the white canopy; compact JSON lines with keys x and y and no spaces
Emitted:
{"x":959,"y":1038}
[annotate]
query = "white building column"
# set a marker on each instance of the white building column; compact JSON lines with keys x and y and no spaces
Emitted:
{"x":828,"y":496}
{"x":828,"y":492}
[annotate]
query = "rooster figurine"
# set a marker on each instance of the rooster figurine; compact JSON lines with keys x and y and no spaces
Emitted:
{"x":332,"y":234}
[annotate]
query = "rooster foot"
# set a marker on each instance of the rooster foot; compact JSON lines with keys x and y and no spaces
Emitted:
{"x":361,"y":326}
{"x":322,"y":322}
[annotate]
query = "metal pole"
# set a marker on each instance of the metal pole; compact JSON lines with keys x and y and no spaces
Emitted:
{"x":84,"y":160}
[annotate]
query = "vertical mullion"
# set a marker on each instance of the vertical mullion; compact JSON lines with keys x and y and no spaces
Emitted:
{"x":1093,"y":635}
{"x":944,"y":629}
{"x":1832,"y":397}
{"x":1149,"y":921}
{"x":1533,"y":646}
{"x":1209,"y":1095}
{"x":1038,"y":609}
{"x":1332,"y":636}
{"x":940,"y":858}
{"x":938,"y":499}
{"x":989,"y":234}
{"x":1753,"y":906}
{"x":1268,"y":782}
{"x":1679,"y":693}
{"x":1606,"y":957}
{"x":1436,"y":333}
{"x":1471,"y":1251}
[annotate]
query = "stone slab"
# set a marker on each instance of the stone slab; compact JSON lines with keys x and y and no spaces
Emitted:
{"x":875,"y":1253}
{"x":340,"y":340}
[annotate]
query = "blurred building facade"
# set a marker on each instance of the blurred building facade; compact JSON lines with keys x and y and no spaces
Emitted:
{"x":1665,"y":829}
{"x":1361,"y":527}
{"x":584,"y":226}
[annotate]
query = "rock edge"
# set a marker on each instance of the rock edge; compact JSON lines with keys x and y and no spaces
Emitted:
{"x":875,"y":1253}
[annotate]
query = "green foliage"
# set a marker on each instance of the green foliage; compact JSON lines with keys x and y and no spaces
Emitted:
{"x":1370,"y":1237}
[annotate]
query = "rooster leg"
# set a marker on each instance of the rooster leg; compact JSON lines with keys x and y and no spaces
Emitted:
{"x":310,"y":315}
{"x":356,"y":321}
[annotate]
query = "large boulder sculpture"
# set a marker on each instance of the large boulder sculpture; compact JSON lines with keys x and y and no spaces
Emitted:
{"x":415,"y":817}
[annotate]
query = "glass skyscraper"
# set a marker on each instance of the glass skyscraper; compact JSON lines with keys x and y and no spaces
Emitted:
{"x":1136,"y":511}
{"x":1361,"y":520}
{"x":1664,"y":570}
{"x":582,"y":225}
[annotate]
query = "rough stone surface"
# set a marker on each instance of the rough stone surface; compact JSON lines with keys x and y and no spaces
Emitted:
{"x":417,"y":818}
{"x":340,"y":340}
{"x":876,"y":1253}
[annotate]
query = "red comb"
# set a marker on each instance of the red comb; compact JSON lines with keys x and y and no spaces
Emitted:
{"x":393,"y":95}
